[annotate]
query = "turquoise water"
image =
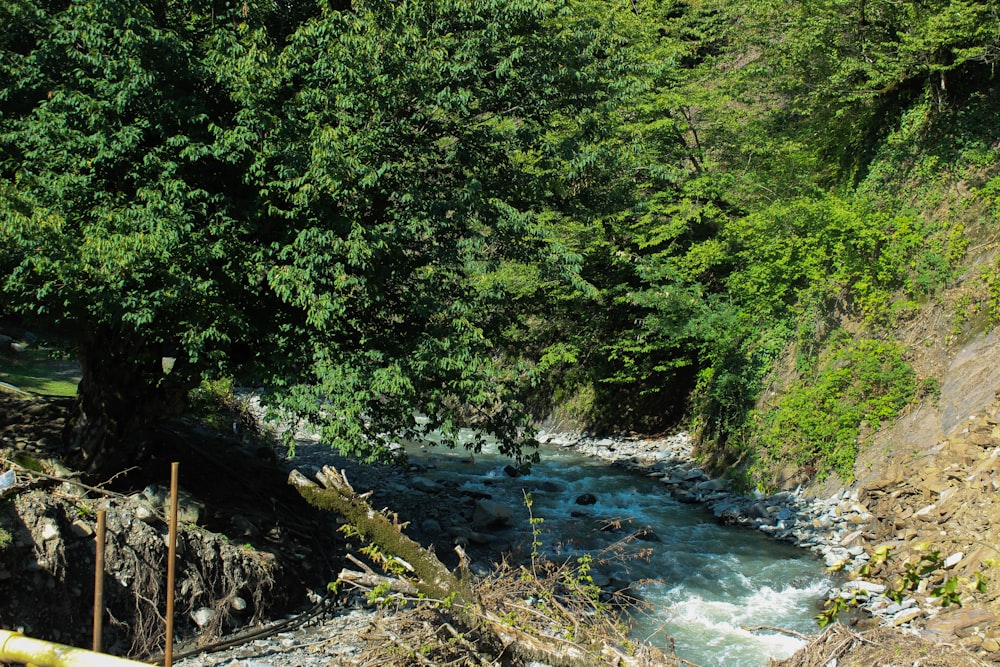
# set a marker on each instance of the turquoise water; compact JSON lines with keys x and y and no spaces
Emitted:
{"x":704,"y":582}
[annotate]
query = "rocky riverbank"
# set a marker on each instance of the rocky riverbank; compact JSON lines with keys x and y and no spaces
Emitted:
{"x":845,"y":529}
{"x":917,"y":547}
{"x":827,"y":526}
{"x":916,"y":543}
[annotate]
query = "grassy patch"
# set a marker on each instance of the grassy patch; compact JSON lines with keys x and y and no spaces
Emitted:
{"x":40,"y":371}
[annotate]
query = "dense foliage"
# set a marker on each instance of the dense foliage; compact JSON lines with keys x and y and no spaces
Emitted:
{"x":308,"y":207}
{"x":635,"y":214}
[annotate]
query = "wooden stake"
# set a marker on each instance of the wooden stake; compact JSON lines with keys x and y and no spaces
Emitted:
{"x":168,"y":653}
{"x":99,"y":580}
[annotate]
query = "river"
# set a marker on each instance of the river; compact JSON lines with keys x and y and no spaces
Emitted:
{"x":704,"y":582}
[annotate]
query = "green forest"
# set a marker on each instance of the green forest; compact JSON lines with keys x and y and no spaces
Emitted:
{"x":634,"y":215}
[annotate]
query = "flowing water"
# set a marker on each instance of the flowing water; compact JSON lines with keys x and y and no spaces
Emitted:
{"x":705,"y":582}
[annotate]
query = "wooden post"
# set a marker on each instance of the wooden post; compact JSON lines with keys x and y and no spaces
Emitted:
{"x":168,"y":653}
{"x":99,"y":580}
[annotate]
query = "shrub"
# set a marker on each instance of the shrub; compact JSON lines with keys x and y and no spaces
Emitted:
{"x":817,"y":422}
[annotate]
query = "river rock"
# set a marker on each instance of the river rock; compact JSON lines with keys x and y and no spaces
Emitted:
{"x":868,"y":586}
{"x":647,"y":535}
{"x":906,"y":616}
{"x":958,"y":623}
{"x":430,"y":527}
{"x":586,"y":499}
{"x":491,"y":514}
{"x":713,"y":485}
{"x":542,"y":485}
{"x":424,"y":484}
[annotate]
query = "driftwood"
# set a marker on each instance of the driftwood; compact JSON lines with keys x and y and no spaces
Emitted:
{"x":771,"y":628}
{"x":370,"y":580}
{"x":428,"y":577}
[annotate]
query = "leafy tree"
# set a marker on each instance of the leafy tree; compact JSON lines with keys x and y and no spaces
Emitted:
{"x":635,"y":202}
{"x":304,"y":197}
{"x":835,"y":75}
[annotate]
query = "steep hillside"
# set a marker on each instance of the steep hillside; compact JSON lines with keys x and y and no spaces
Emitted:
{"x":930,"y":476}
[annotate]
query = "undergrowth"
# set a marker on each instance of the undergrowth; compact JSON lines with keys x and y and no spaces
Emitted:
{"x":215,"y":404}
{"x":817,"y":422}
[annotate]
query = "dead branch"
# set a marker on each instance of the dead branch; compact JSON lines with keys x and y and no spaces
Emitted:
{"x":370,"y":580}
{"x":432,"y":579}
{"x":771,"y":628}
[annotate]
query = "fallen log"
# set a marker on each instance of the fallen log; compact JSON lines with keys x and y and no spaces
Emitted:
{"x":428,"y":577}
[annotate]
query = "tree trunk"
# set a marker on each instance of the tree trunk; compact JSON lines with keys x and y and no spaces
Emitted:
{"x":123,"y":390}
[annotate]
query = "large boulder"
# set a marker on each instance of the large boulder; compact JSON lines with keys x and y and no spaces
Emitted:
{"x":492,"y":515}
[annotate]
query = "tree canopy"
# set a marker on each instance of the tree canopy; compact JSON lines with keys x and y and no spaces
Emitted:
{"x":311,"y":212}
{"x":393,"y":218}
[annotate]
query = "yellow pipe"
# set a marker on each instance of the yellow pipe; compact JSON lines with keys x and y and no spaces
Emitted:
{"x":15,"y":647}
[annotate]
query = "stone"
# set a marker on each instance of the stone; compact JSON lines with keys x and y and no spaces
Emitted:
{"x":542,"y":486}
{"x":154,"y":502}
{"x":713,"y":485}
{"x":868,"y":586}
{"x":482,"y":539}
{"x":954,"y":559}
{"x":425,"y":485}
{"x":202,"y":616}
{"x":491,"y":514}
{"x":586,"y":499}
{"x":906,"y":616}
{"x":850,"y":537}
{"x":957,"y":622}
{"x":647,"y":535}
{"x":430,"y":527}
{"x":81,"y":528}
{"x":49,"y":531}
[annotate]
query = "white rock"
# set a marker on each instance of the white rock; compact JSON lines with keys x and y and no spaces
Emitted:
{"x":862,"y":585}
{"x":202,"y":616}
{"x":905,"y":616}
{"x":50,"y":530}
